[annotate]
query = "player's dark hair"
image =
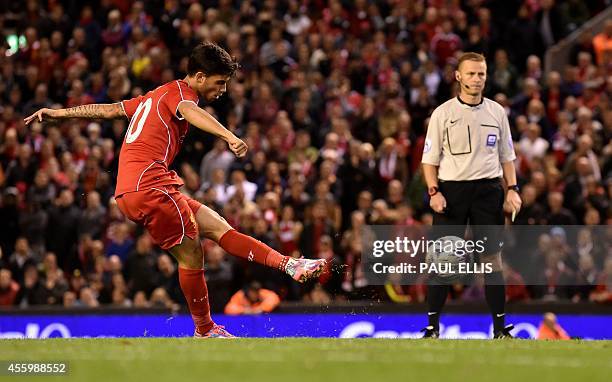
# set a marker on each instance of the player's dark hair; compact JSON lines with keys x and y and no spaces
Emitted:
{"x":211,"y":60}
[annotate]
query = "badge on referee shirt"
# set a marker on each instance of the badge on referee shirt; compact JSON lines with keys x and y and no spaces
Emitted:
{"x":427,"y":147}
{"x":491,"y":139}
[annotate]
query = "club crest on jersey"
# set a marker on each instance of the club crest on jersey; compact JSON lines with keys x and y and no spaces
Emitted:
{"x":491,"y":140}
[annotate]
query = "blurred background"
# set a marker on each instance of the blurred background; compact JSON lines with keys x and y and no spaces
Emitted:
{"x":333,"y":99}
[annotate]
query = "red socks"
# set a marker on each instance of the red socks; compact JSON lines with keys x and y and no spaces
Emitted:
{"x":238,"y":244}
{"x":194,"y":288}
{"x":193,"y":283}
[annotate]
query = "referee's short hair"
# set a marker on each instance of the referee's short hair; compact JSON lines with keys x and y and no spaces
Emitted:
{"x":470,"y":56}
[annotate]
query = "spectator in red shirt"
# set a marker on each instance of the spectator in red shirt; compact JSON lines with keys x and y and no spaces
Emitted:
{"x":77,"y":95}
{"x":8,"y":288}
{"x":428,"y":28}
{"x":603,"y":290}
{"x":515,"y":285}
{"x":445,"y":43}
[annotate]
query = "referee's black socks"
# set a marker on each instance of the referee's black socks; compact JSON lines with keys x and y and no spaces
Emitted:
{"x":436,"y":297}
{"x":495,"y":294}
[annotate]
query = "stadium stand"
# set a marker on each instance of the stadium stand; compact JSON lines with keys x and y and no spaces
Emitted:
{"x":333,"y":100}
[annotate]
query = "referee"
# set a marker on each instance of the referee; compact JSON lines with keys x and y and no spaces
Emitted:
{"x":467,"y":150}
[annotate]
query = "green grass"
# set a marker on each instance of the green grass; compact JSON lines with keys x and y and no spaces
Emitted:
{"x":307,"y":359}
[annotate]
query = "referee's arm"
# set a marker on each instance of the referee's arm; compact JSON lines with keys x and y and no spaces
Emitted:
{"x":431,"y":160}
{"x":506,"y":157}
{"x":509,"y":173}
{"x":513,"y":199}
{"x":437,"y":201}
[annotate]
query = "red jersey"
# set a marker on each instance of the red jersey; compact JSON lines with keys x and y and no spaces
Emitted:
{"x":153,"y":138}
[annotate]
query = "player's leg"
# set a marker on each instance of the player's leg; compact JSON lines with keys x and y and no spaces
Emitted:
{"x":192,"y":282}
{"x":171,"y":224}
{"x":451,"y":222}
{"x":487,"y":219}
{"x":216,"y":228}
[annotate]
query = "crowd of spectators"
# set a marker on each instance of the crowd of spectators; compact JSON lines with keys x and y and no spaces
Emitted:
{"x":333,"y":99}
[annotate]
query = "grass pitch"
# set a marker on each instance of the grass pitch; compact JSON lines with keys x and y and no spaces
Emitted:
{"x":307,"y":359}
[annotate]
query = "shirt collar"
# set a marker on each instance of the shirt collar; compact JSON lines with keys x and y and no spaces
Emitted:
{"x":465,"y":104}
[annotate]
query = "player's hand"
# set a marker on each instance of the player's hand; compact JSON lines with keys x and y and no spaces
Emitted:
{"x":438,"y":203}
{"x":513,"y":203}
{"x":238,"y":147}
{"x":41,"y":114}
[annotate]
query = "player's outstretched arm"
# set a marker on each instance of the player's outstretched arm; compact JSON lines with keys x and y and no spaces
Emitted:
{"x":204,"y":121}
{"x":101,"y":110}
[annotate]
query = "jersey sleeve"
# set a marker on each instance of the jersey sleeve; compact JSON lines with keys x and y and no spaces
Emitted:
{"x":506,"y":148}
{"x":432,"y":150}
{"x":129,"y":106}
{"x":179,"y":92}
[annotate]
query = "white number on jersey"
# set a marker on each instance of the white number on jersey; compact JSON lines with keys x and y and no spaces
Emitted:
{"x":138,"y":119}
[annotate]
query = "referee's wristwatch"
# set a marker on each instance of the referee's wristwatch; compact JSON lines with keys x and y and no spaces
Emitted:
{"x":433,"y":190}
{"x":514,"y":188}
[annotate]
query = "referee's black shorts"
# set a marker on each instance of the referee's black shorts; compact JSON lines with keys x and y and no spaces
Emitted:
{"x":478,"y":203}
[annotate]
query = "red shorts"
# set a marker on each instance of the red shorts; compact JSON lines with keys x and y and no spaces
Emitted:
{"x":167,"y":214}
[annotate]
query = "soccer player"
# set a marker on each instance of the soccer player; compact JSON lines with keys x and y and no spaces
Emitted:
{"x":147,"y":192}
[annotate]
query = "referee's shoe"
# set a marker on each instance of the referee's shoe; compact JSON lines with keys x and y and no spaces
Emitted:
{"x":504,"y":333}
{"x":430,"y":332}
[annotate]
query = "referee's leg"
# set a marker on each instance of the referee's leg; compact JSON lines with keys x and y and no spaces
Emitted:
{"x":487,"y":220}
{"x":451,"y":222}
